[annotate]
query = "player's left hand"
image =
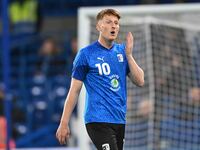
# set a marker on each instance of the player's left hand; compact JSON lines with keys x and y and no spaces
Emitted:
{"x":129,"y":44}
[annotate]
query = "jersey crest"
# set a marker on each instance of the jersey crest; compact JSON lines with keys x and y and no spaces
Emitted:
{"x":120,"y":57}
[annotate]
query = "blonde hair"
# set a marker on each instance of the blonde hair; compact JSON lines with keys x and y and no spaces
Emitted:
{"x":104,"y":12}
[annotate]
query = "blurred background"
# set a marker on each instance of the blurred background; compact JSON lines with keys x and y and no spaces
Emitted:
{"x":38,"y":43}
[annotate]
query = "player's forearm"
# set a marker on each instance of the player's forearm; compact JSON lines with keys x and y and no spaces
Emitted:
{"x":71,"y":100}
{"x":136,"y":73}
{"x":70,"y":103}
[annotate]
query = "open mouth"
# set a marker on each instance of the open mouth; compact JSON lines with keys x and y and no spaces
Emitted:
{"x":112,"y":32}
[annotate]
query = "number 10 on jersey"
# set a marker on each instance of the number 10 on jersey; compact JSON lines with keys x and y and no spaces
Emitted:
{"x":103,"y":68}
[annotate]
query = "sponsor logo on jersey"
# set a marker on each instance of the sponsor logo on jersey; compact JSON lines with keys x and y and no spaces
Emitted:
{"x":100,"y":58}
{"x":114,"y":82}
{"x":106,"y":146}
{"x":120,"y":57}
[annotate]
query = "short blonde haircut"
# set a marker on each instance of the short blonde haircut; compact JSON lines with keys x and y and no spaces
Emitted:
{"x":104,"y":12}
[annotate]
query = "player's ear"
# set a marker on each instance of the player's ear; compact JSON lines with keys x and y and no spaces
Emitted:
{"x":98,"y":26}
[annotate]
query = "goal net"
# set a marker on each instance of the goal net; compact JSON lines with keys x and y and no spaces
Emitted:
{"x":165,"y":113}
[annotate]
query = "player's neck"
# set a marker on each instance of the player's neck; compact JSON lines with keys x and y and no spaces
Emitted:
{"x":105,"y":43}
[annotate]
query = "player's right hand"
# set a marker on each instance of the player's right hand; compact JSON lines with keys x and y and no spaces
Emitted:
{"x":63,"y":134}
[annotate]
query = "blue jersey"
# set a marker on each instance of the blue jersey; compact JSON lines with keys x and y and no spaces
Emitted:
{"x":103,"y":72}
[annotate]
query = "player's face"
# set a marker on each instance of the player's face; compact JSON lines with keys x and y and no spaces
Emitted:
{"x":108,"y":27}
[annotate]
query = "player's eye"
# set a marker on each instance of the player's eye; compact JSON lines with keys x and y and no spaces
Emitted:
{"x":108,"y":21}
{"x":116,"y":22}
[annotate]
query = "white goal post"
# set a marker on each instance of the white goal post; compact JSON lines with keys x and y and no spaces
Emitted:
{"x":157,"y":30}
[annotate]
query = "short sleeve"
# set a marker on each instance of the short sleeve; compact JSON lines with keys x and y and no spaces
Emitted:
{"x":80,"y":66}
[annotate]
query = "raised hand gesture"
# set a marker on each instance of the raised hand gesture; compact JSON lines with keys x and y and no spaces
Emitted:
{"x":129,"y":44}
